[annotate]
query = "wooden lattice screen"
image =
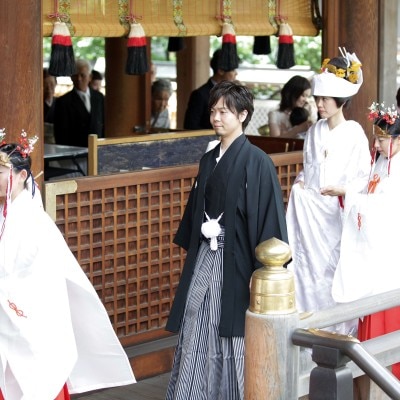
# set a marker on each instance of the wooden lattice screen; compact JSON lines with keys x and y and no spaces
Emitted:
{"x":120,"y":228}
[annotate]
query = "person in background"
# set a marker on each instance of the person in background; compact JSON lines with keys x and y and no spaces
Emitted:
{"x":153,"y":72}
{"x":197,"y":114}
{"x":398,"y":99}
{"x":335,"y":155}
{"x":298,"y":116}
{"x":96,"y":80}
{"x":235,"y":204}
{"x":55,"y":334}
{"x":295,"y":93}
{"x":49,"y":103}
{"x":49,"y":100}
{"x":161,"y":91}
{"x":79,"y":112}
{"x":369,"y":248}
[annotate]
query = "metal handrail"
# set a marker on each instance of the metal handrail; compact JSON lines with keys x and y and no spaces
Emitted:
{"x":353,"y":349}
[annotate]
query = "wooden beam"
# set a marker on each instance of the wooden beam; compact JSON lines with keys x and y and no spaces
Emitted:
{"x":192,"y":71}
{"x":21,"y":68}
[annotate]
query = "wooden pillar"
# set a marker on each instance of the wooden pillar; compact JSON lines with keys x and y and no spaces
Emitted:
{"x":271,"y":367}
{"x":21,"y":66}
{"x":127,"y":101}
{"x":192,"y":71}
{"x":387,"y":81}
{"x":355,"y":26}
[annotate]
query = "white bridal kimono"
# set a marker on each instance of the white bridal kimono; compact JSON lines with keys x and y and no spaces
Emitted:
{"x":369,"y":255}
{"x":331,"y":157}
{"x":53,"y":326}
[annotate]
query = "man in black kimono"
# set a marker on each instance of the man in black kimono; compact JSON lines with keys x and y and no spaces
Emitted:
{"x":79,"y":112}
{"x":235,"y":204}
{"x":197,"y":115}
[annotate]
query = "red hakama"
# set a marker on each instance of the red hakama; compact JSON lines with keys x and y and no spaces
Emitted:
{"x":379,"y":324}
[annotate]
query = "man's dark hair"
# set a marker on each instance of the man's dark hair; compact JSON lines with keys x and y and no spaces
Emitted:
{"x":237,"y":98}
{"x":96,"y":75}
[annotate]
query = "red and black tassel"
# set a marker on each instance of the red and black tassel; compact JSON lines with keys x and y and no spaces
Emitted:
{"x":229,"y":59}
{"x":285,"y":58}
{"x":137,"y":63}
{"x":262,"y":45}
{"x":62,"y":60}
{"x":175,"y":43}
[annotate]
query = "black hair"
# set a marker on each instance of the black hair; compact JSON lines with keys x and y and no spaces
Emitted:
{"x":391,"y":129}
{"x":292,"y":90}
{"x":96,"y":75}
{"x":18,"y":161}
{"x":215,"y":60}
{"x":341,"y":62}
{"x":237,"y":98}
{"x":298,"y":115}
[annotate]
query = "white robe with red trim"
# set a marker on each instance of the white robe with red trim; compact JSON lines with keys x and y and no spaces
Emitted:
{"x":369,"y":260}
{"x":331,"y":157}
{"x":53,"y":326}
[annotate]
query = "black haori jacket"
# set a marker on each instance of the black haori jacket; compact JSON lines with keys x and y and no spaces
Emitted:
{"x":253,"y":213}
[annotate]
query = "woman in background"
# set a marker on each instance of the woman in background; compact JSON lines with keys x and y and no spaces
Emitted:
{"x":295,"y":93}
{"x":161,"y":91}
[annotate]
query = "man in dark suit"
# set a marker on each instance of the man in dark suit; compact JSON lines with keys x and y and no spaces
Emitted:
{"x":197,"y":114}
{"x":79,"y":112}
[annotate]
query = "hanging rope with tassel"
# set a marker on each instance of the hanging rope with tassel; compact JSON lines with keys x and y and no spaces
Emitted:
{"x":229,"y":59}
{"x":137,"y":63}
{"x":285,"y":59}
{"x":62,"y":60}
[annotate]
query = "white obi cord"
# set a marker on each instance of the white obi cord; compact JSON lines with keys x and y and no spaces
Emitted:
{"x":211,"y":229}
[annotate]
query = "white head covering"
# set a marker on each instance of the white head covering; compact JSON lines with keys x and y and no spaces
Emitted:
{"x":332,"y":82}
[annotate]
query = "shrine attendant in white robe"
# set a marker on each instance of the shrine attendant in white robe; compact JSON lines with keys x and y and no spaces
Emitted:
{"x":336,"y":154}
{"x":55,"y":335}
{"x":369,"y":255}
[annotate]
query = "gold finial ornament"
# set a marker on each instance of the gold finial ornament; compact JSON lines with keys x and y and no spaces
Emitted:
{"x":272,"y":286}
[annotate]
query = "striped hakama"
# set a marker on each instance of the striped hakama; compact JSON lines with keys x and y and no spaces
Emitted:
{"x":206,"y":366}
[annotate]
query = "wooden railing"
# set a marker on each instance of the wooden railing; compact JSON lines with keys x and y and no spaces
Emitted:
{"x":275,"y":330}
{"x":134,"y":153}
{"x":120,"y":227}
{"x":276,"y":144}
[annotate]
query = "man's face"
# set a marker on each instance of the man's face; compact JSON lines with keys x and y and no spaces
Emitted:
{"x":230,"y":75}
{"x":49,"y":87}
{"x":81,"y":79}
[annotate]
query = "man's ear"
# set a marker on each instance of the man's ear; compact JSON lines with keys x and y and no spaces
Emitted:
{"x":243,"y":116}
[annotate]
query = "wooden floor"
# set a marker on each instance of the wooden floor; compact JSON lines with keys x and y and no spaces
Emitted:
{"x":148,"y":389}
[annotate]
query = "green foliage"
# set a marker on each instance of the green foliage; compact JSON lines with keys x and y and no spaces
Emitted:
{"x":88,"y":48}
{"x":307,"y":50}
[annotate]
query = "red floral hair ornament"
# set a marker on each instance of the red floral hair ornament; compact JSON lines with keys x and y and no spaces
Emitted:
{"x":25,"y":146}
{"x":378,"y":111}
